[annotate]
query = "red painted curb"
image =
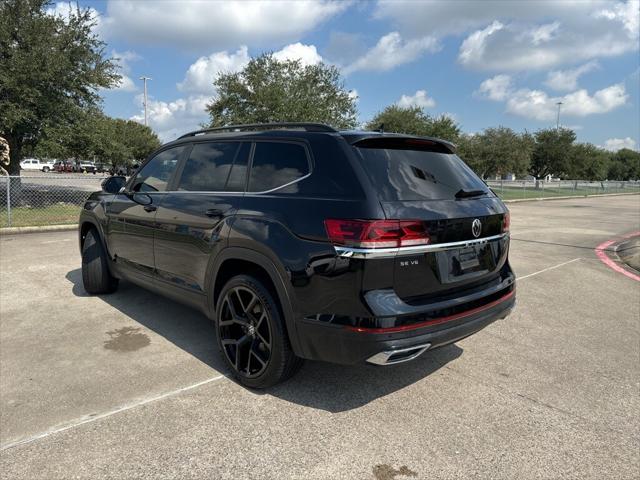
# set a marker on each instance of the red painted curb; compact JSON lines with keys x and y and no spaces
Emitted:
{"x":600,"y":253}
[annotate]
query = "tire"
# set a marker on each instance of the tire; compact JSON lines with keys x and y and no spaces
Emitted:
{"x":253,"y":341}
{"x":45,"y":169}
{"x":95,"y":270}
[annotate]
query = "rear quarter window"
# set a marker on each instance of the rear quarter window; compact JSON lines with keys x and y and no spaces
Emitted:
{"x":277,"y":164}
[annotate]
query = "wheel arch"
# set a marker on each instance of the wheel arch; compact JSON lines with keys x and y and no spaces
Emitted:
{"x":233,"y":261}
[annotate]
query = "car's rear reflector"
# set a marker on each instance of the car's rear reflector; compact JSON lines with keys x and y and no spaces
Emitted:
{"x":376,"y":233}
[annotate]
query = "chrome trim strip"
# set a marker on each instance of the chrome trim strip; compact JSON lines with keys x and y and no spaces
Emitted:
{"x":382,"y":358}
{"x":350,"y":252}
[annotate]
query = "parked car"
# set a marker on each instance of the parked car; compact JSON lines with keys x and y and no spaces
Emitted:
{"x":85,"y":166}
{"x":102,"y":167}
{"x":63,"y":166}
{"x":300,"y":241}
{"x":36,"y":164}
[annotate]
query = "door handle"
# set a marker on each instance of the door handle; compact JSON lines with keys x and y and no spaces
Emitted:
{"x":150,"y":208}
{"x":214,"y":212}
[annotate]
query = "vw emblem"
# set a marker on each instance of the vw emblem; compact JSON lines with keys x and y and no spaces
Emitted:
{"x":476,"y":228}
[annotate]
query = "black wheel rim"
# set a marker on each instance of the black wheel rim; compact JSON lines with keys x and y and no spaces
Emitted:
{"x":244,"y":328}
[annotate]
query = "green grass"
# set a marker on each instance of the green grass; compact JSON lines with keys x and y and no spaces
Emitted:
{"x":511,"y":193}
{"x":57,"y":214}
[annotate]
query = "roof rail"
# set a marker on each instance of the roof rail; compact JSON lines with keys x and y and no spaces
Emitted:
{"x":309,"y":127}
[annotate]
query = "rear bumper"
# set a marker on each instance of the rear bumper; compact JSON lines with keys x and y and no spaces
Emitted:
{"x":348,"y":345}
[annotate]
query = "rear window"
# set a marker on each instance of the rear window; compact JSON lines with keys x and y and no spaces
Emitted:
{"x":403,"y":171}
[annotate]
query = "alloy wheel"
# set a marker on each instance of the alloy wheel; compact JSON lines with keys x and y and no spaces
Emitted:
{"x":244,"y":329}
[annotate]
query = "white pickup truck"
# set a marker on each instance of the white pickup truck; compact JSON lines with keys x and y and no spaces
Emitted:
{"x":35,"y":164}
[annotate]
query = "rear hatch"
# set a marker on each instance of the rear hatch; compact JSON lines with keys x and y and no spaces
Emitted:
{"x":424,"y":180}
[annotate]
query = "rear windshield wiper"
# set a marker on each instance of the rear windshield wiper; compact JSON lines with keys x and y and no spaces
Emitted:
{"x":470,"y":193}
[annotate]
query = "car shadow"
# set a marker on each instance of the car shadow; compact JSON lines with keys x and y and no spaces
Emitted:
{"x":186,"y":328}
{"x":319,"y":385}
{"x":339,"y":388}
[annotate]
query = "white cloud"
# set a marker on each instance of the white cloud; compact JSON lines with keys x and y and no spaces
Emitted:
{"x":307,"y":54}
{"x":615,"y":144}
{"x":392,"y":51}
{"x":123,"y":59}
{"x":518,"y":35}
{"x":538,"y":105}
{"x":64,"y":10}
{"x":172,"y":119}
{"x":354,"y":95}
{"x":626,"y":13}
{"x":454,"y":18}
{"x":419,"y":99}
{"x":218,"y":25}
{"x":496,"y":88}
{"x":567,"y":80}
{"x":515,"y":47}
{"x":201,"y":74}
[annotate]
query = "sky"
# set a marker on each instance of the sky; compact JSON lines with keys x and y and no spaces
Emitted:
{"x":485,"y":64}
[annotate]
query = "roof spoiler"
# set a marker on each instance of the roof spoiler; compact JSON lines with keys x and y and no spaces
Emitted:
{"x":407,"y":142}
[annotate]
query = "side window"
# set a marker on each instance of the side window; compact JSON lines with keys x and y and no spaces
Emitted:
{"x":211,"y":165}
{"x":238,"y":175}
{"x":277,"y":164}
{"x":155,"y":175}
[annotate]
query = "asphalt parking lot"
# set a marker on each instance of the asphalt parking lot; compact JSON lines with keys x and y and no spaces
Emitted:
{"x":130,"y":385}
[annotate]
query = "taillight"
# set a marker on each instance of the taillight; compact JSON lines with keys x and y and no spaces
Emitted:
{"x":377,"y":233}
{"x":506,"y":222}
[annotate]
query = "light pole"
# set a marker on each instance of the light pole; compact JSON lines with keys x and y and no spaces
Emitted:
{"x":558,"y":120}
{"x":144,"y":79}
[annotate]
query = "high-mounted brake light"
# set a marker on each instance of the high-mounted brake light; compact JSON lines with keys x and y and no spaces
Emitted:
{"x":376,"y":233}
{"x":506,"y":222}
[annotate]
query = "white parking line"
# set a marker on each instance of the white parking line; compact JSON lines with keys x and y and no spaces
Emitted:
{"x":88,"y":419}
{"x":549,"y":268}
{"x":56,"y":241}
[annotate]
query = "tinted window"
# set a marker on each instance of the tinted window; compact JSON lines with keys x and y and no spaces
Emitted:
{"x":238,"y":175}
{"x":155,"y":175}
{"x":276,"y":164}
{"x":410,"y":174}
{"x":209,"y":167}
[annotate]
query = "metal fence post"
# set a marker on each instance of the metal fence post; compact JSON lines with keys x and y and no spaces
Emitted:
{"x":8,"y":201}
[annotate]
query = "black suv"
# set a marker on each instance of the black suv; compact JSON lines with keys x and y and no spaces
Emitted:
{"x":301,"y":241}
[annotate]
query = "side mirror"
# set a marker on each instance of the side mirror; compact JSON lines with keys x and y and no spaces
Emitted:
{"x":113,"y":184}
{"x":142,"y":198}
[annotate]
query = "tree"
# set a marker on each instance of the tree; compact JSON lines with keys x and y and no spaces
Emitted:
{"x":49,"y":68}
{"x":497,"y":151}
{"x":552,"y":152}
{"x":588,"y":162}
{"x":624,"y":165}
{"x":268,"y":90}
{"x":94,"y":135}
{"x":138,"y":139}
{"x":413,"y":121}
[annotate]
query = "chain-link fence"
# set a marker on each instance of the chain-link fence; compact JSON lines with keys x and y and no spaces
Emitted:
{"x":532,"y":189}
{"x":55,"y":199}
{"x":44,"y":198}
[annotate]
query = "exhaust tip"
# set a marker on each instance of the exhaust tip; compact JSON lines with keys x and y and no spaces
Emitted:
{"x":392,"y":357}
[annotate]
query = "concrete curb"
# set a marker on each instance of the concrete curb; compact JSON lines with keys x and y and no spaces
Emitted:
{"x":567,"y":197}
{"x":62,"y":228}
{"x":40,"y":229}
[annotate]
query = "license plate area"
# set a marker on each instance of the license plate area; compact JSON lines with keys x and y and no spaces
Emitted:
{"x":463,"y":263}
{"x":466,"y":258}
